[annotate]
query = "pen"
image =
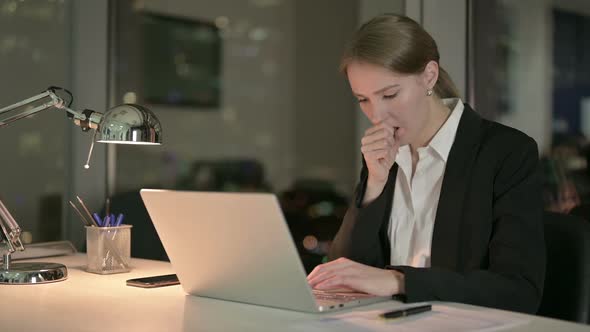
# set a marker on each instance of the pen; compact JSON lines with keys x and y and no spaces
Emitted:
{"x":80,"y":214}
{"x":93,"y":223}
{"x":119,"y":219}
{"x":97,"y":218}
{"x":108,"y":207}
{"x":406,"y":312}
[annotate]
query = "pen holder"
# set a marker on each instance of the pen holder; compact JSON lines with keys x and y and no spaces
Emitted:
{"x":108,"y":249}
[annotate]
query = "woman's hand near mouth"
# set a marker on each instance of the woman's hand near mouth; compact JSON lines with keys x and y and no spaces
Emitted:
{"x":379,"y":147}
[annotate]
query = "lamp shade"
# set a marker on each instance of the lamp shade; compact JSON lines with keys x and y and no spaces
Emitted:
{"x":130,"y":124}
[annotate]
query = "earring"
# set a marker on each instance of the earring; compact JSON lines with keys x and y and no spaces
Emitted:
{"x":429,"y":92}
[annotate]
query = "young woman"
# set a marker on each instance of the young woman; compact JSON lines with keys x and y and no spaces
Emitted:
{"x":449,"y":205}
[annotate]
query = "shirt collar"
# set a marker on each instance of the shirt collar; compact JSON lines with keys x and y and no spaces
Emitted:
{"x":444,"y":138}
{"x":442,"y":141}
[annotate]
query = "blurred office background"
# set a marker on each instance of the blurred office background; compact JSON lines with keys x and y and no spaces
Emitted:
{"x":250,"y":99}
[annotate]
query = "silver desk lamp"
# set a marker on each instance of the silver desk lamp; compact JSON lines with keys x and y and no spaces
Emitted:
{"x":123,"y":124}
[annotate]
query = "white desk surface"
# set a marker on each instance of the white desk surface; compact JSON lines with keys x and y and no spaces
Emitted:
{"x":91,"y":302}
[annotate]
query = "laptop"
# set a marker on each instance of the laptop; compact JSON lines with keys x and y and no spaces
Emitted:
{"x":237,"y":247}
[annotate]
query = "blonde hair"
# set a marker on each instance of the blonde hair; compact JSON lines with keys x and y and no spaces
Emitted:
{"x":399,"y":44}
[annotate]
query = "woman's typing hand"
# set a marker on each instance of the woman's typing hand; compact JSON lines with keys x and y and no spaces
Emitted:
{"x":344,"y":273}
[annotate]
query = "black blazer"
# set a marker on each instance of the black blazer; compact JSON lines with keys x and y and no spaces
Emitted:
{"x":487,"y":244}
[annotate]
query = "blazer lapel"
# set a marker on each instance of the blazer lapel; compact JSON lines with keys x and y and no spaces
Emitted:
{"x":446,"y":233}
{"x":384,"y":231}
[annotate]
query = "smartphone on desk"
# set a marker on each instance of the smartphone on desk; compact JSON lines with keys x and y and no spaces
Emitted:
{"x":155,"y":281}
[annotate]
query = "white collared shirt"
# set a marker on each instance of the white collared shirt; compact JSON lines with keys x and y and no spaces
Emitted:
{"x":415,"y":200}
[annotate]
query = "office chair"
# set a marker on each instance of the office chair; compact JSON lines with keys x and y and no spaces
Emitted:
{"x":313,"y":208}
{"x":566,"y":293}
{"x":145,"y":242}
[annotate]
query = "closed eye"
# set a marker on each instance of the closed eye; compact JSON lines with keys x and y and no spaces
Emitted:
{"x":390,"y":96}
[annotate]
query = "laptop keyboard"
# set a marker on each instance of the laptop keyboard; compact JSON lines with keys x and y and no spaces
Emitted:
{"x":332,"y":300}
{"x":338,"y":297}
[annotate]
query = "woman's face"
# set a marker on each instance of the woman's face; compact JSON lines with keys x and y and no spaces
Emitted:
{"x":385,"y":95}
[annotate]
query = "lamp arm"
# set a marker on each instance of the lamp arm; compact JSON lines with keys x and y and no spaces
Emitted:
{"x":87,"y":119}
{"x":10,"y":229}
{"x":24,"y":102}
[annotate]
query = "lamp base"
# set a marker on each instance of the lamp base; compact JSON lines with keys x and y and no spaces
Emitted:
{"x":33,"y":273}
